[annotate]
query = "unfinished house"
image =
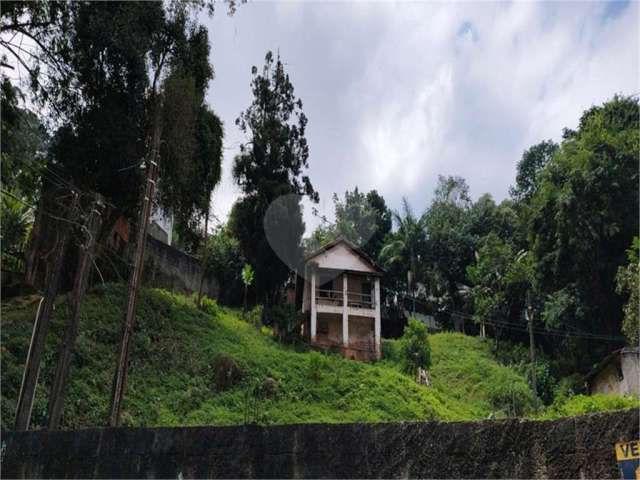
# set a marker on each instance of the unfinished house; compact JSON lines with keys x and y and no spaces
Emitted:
{"x":341,"y":300}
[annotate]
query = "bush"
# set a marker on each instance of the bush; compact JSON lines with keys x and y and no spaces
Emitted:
{"x":414,"y":347}
{"x":283,"y":318}
{"x":253,"y":316}
{"x":210,"y":306}
{"x":391,"y":350}
{"x":511,"y":398}
{"x":317,"y":363}
{"x":516,"y":356}
{"x":581,"y":404}
{"x":226,"y":372}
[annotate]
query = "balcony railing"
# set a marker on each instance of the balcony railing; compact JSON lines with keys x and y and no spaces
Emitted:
{"x":335,"y":297}
{"x":329,"y":297}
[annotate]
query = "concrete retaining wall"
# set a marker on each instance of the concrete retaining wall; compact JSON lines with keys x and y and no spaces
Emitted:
{"x":580,"y":447}
{"x":168,"y":267}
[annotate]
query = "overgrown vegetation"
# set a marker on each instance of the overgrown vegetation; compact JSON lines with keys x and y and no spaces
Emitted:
{"x":414,"y":347}
{"x":192,"y":367}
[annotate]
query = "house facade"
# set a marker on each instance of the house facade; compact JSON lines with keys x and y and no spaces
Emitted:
{"x":341,"y":301}
{"x":618,"y":373}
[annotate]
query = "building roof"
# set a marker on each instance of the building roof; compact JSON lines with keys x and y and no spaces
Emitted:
{"x":355,"y":249}
{"x":610,"y":358}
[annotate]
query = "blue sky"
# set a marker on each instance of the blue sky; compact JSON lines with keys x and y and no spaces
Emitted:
{"x":397,"y":93}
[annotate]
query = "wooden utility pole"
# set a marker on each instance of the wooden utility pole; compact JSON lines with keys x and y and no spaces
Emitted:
{"x":87,"y":248}
{"x":120,"y":377}
{"x":42,"y":323}
{"x":532,"y":349}
{"x":204,"y":258}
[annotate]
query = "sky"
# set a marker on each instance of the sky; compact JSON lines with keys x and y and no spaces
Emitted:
{"x":397,"y":93}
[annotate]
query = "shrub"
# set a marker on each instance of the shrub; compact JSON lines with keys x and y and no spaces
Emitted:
{"x":512,"y":398}
{"x":517,"y":356}
{"x":210,"y":306}
{"x":414,"y":346}
{"x":581,"y":404}
{"x":226,"y":372}
{"x":317,"y":363}
{"x":253,"y":316}
{"x":283,"y":318}
{"x":391,"y":350}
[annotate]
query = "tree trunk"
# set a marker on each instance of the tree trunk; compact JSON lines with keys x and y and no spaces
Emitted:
{"x":204,"y":250}
{"x":41,"y":326}
{"x":56,"y":396}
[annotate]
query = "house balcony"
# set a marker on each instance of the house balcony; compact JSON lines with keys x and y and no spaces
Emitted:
{"x":332,"y":301}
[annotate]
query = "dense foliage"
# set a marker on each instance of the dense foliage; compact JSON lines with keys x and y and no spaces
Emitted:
{"x":270,"y":172}
{"x":414,"y":347}
{"x":363,"y":219}
{"x":561,"y":241}
{"x":179,"y":351}
{"x":100,"y":71}
{"x":628,"y":283}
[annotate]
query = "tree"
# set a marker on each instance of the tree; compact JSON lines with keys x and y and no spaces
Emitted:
{"x":532,"y":162}
{"x":363,"y":219}
{"x":93,"y":70}
{"x":355,"y":219}
{"x":415,"y":348}
{"x":405,"y":245}
{"x":584,"y":214}
{"x":450,"y":244}
{"x":500,"y":278}
{"x":628,"y":284}
{"x":270,"y":166}
{"x":24,"y":143}
{"x":225,"y":262}
{"x":383,"y":221}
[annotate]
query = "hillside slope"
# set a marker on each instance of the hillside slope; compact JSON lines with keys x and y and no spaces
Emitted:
{"x":177,"y":350}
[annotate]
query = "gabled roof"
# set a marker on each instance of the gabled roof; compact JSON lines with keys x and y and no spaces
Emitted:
{"x":355,"y":249}
{"x":615,"y":355}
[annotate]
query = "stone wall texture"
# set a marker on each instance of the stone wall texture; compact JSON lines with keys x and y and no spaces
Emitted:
{"x":579,"y":447}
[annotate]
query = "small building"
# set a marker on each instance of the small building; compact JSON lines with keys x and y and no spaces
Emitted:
{"x":341,"y":300}
{"x":618,"y":373}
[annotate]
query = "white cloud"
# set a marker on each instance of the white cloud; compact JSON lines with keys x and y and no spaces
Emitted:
{"x":399,"y":92}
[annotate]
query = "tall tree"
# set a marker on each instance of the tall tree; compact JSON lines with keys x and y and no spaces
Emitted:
{"x":449,"y":243}
{"x":271,"y":165}
{"x":363,"y":219}
{"x":628,"y":284}
{"x":584,"y":216}
{"x":405,"y":246}
{"x":532,"y":162}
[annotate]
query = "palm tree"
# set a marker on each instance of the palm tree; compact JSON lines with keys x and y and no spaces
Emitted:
{"x":404,"y":248}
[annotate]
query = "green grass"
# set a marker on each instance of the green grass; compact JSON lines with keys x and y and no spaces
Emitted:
{"x":581,"y":404}
{"x":172,"y":375}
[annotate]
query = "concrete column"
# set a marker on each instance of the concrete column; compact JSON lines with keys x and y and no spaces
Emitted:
{"x":305,"y":289}
{"x":314,"y":310}
{"x":376,"y":331}
{"x":345,"y":314}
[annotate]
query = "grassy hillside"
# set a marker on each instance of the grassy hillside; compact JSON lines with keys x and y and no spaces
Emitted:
{"x":175,"y":374}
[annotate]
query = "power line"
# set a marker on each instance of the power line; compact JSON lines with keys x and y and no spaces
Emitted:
{"x":520,"y":327}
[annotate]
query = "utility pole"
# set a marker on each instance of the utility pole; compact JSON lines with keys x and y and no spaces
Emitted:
{"x":532,"y":349}
{"x":42,"y":323}
{"x":204,"y":258}
{"x":56,"y":396}
{"x":120,"y":377}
